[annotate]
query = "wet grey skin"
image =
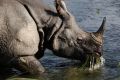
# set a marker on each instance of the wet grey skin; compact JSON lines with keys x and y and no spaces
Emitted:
{"x":28,"y":27}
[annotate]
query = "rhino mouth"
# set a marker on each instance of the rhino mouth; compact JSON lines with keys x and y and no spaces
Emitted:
{"x":92,"y":62}
{"x":98,"y":54}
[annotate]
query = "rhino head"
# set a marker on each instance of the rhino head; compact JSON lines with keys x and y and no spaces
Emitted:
{"x":70,"y":41}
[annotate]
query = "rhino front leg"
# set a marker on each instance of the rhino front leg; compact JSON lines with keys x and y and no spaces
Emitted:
{"x":31,"y":65}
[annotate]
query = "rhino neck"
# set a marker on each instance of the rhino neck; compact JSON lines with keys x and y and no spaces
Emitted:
{"x":51,"y":26}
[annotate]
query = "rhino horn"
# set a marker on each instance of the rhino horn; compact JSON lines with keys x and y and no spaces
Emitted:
{"x":98,"y":36}
{"x":102,"y":27}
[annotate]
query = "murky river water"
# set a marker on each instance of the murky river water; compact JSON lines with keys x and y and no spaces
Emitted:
{"x":89,"y":15}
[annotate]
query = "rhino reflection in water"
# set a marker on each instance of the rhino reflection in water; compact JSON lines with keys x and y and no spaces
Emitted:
{"x":26,"y":25}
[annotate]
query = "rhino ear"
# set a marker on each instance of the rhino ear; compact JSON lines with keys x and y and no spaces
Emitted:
{"x":62,"y":9}
{"x":102,"y":27}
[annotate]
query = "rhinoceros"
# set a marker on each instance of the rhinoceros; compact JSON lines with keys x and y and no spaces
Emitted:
{"x":28,"y":27}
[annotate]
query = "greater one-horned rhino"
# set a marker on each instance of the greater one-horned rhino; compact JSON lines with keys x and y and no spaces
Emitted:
{"x":27,"y":28}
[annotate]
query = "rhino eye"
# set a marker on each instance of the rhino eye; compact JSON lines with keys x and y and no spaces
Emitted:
{"x":79,"y":40}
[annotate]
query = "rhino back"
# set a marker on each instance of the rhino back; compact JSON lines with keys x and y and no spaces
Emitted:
{"x":18,"y":31}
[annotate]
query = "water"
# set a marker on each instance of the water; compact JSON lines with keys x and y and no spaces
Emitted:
{"x":89,"y":15}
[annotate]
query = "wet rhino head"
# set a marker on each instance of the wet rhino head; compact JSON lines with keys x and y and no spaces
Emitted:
{"x":70,"y":41}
